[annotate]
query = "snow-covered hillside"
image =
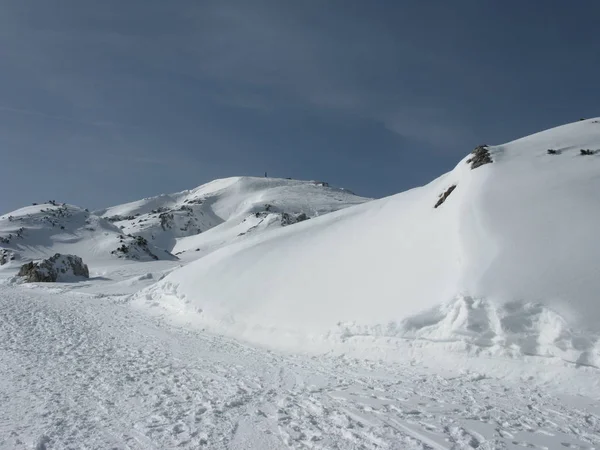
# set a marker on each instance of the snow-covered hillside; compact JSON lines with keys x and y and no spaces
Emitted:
{"x":190,"y":223}
{"x":39,"y":231}
{"x":218,"y":212}
{"x":498,"y":258}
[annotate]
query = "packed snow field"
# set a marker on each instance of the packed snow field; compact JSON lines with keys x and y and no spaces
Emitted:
{"x":82,"y":370}
{"x":271,"y":313}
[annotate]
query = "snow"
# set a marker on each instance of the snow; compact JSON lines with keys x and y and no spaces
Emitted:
{"x":80,"y":369}
{"x":214,"y":214}
{"x":385,"y":324}
{"x":40,"y":231}
{"x":507,"y":264}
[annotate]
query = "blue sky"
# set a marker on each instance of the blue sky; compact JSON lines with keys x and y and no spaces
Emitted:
{"x":107,"y":102}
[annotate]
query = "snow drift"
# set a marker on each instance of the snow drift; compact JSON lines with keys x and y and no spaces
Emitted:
{"x":500,"y":253}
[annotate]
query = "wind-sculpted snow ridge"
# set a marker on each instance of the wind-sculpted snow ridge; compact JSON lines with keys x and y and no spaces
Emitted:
{"x":507,"y":263}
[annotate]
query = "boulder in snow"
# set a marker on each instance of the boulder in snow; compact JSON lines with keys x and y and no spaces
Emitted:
{"x":56,"y":268}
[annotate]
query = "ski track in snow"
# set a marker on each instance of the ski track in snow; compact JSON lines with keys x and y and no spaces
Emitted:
{"x":82,"y":371}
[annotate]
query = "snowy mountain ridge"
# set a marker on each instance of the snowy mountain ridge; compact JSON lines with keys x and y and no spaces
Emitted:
{"x":227,"y":209}
{"x":191,"y":223}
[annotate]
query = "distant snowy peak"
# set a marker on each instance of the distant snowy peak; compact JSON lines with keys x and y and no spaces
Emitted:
{"x":149,"y":229}
{"x":167,"y":218}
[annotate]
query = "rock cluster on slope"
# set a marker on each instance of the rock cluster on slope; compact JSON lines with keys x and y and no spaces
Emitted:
{"x":137,"y":248}
{"x":56,"y":268}
{"x":6,"y":256}
{"x":481,"y":156}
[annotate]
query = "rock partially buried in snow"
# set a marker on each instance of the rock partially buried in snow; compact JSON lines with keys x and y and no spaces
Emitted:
{"x":6,"y":256}
{"x":444,"y":196}
{"x":137,"y":248}
{"x":56,"y":268}
{"x":481,"y":156}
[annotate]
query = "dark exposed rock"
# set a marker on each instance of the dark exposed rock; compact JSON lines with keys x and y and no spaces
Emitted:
{"x":290,"y":219}
{"x":166,"y":220}
{"x":553,"y":152}
{"x":481,"y":156}
{"x":137,"y":248}
{"x":6,"y":256}
{"x":587,"y":152}
{"x":445,"y":195}
{"x":195,"y":201}
{"x":119,"y":218}
{"x":54,"y":269}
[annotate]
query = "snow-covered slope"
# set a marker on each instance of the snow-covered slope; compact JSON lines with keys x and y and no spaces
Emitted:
{"x":218,"y":212}
{"x":503,"y":257}
{"x":40,"y":231}
{"x":202,"y":220}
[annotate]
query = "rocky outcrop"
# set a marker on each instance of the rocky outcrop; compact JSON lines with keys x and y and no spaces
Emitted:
{"x":138,"y":248}
{"x":121,"y":218}
{"x":56,"y":268}
{"x":481,"y":156}
{"x":290,"y":219}
{"x":445,"y":195}
{"x":6,"y":256}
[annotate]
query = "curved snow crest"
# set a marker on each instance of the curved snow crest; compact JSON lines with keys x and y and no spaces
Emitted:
{"x":478,"y":326}
{"x":500,"y":256}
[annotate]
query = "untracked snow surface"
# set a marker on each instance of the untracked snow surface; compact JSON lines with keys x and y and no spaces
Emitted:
{"x":264,"y":314}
